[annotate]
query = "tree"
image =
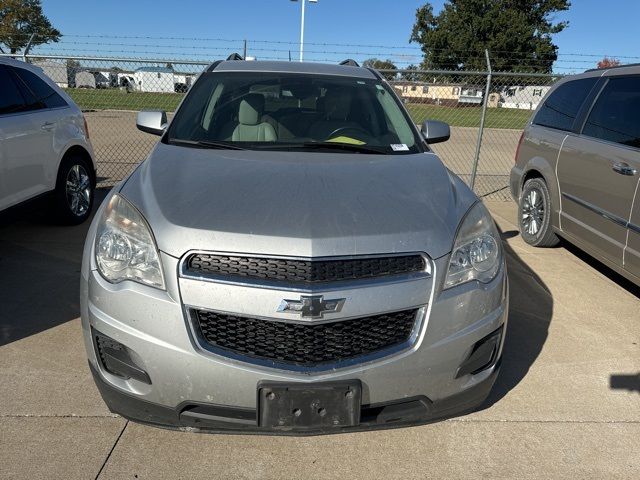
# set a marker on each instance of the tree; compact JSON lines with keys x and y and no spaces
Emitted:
{"x":607,"y":62}
{"x":19,"y":19}
{"x":411,"y":74}
{"x":381,"y":65}
{"x":73,"y":67}
{"x":518,"y":34}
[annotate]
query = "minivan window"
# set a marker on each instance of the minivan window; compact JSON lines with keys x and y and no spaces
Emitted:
{"x":11,"y":100}
{"x":43,"y":93}
{"x":615,"y":117}
{"x":560,"y":109}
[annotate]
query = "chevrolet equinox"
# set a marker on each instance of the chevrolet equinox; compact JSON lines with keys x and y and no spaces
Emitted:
{"x":292,"y":258}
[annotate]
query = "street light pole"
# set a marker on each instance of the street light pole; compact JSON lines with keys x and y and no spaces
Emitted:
{"x":302,"y":32}
{"x":302,"y":26}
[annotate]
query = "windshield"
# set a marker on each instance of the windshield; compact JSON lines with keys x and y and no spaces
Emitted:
{"x":281,"y":111}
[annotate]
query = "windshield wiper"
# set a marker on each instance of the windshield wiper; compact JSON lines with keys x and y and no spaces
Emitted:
{"x":345,"y":146}
{"x":329,"y":146}
{"x":205,"y":144}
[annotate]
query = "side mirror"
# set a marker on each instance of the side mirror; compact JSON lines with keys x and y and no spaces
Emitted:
{"x":435,"y":131}
{"x":152,"y":121}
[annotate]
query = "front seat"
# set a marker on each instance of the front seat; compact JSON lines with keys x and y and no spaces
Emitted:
{"x":337,"y":107}
{"x":250,"y":127}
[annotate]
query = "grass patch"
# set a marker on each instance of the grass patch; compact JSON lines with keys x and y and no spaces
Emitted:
{"x":115,"y":99}
{"x":470,"y":116}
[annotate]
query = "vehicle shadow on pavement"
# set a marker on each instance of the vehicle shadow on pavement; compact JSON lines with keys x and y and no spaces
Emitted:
{"x":530,"y":313}
{"x":630,"y":383}
{"x":39,"y":270}
{"x":620,"y":380}
{"x":602,"y":268}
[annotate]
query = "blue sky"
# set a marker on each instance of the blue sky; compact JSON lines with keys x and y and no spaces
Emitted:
{"x":596,"y":28}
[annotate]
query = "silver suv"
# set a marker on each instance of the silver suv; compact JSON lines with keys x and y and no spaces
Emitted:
{"x":292,"y":258}
{"x":44,"y":144}
{"x":577,"y":168}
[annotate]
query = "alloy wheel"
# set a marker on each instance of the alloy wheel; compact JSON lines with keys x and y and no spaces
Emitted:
{"x":78,"y":190}
{"x":532,"y":211}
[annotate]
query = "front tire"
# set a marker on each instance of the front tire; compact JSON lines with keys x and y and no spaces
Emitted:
{"x":74,"y":192}
{"x":534,"y":214}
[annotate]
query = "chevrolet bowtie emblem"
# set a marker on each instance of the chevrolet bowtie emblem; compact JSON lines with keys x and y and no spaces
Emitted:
{"x":314,"y":306}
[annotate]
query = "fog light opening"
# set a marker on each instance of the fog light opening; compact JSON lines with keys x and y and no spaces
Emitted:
{"x":483,"y":355}
{"x":114,"y":358}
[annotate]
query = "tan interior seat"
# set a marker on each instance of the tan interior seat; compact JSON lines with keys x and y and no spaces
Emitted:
{"x":250,"y":127}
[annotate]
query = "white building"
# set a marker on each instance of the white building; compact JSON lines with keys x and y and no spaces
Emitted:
{"x":523,"y":97}
{"x":471,"y":96}
{"x":56,"y":71}
{"x":154,"y":79}
{"x":184,"y":78}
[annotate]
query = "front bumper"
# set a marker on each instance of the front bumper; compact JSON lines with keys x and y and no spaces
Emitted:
{"x":208,"y":418}
{"x":414,"y":386}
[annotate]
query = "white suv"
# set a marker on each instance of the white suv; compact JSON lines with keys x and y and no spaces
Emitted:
{"x":44,"y":144}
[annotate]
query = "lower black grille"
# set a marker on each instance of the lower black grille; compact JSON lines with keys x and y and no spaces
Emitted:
{"x":108,"y":346}
{"x":302,"y":271}
{"x":116,"y":359}
{"x":307,"y":345}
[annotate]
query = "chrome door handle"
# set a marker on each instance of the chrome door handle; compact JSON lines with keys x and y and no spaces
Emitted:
{"x":48,"y":125}
{"x":624,"y":169}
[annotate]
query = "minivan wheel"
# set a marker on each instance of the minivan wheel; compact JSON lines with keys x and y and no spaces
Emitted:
{"x":534,"y":214}
{"x":74,"y":191}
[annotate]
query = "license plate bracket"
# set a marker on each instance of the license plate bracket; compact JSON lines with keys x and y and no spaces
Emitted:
{"x":309,"y":406}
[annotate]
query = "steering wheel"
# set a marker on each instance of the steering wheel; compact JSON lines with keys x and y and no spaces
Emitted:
{"x":360,"y":133}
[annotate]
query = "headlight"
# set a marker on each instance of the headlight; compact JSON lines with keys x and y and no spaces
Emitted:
{"x":125,"y":249}
{"x":477,"y":252}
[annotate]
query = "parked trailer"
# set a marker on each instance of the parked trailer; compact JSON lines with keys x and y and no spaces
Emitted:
{"x":154,"y":79}
{"x":56,"y":71}
{"x":523,"y":97}
{"x":85,"y":79}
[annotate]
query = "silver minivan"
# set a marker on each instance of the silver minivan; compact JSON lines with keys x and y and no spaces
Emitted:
{"x":44,"y":144}
{"x":577,"y":168}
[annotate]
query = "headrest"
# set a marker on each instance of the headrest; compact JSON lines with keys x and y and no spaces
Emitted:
{"x":337,"y":104}
{"x":251,"y":109}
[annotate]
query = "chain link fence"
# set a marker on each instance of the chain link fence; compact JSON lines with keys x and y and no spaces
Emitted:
{"x":486,"y":111}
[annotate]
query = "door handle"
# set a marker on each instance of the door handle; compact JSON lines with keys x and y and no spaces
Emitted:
{"x":48,"y":125}
{"x":624,"y":169}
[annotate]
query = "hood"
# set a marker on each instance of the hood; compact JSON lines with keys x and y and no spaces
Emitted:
{"x":297,"y":203}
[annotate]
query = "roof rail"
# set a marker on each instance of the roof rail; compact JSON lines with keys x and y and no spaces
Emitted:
{"x":213,"y":66}
{"x":613,"y":68}
{"x":376,"y":73}
{"x":232,"y":57}
{"x":350,"y":62}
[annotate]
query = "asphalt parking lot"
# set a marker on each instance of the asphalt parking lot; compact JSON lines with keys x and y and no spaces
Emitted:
{"x":566,"y":403}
